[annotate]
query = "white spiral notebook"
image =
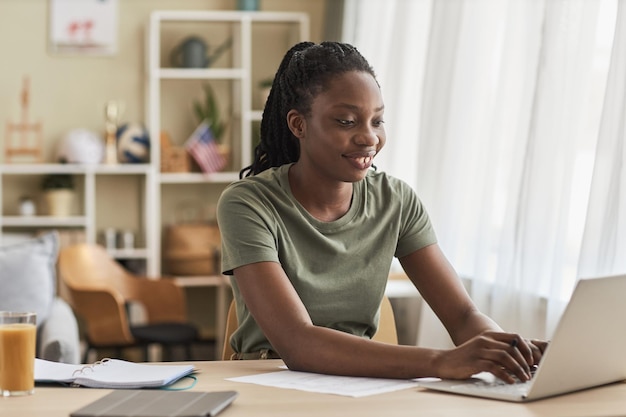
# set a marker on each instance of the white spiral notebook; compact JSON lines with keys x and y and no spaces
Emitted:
{"x":111,"y":373}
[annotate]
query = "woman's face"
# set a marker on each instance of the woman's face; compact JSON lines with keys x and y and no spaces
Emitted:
{"x":344,"y":129}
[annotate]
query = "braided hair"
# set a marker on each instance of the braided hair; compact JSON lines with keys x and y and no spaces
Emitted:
{"x":303,"y":73}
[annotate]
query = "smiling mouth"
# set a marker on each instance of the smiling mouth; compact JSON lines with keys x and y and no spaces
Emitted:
{"x":364,"y":160}
{"x":361,"y":161}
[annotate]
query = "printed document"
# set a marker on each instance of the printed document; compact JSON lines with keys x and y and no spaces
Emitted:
{"x":327,"y":384}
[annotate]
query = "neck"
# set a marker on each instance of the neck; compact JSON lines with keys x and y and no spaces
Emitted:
{"x":325,"y":200}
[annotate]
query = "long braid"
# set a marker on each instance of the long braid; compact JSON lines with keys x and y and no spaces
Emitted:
{"x":302,"y":74}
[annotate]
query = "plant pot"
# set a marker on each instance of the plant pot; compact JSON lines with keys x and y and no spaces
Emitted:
{"x":59,"y":202}
{"x":250,"y":5}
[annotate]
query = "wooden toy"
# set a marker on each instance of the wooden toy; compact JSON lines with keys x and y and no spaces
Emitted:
{"x":24,"y":139}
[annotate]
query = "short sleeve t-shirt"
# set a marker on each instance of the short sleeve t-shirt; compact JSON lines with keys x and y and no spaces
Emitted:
{"x":339,"y":268}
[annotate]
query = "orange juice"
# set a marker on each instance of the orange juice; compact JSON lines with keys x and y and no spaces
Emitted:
{"x":17,"y":358}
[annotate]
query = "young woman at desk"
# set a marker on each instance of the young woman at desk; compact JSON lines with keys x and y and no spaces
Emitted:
{"x":309,"y":236}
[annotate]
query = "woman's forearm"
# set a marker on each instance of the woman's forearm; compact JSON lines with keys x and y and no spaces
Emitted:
{"x":333,"y":352}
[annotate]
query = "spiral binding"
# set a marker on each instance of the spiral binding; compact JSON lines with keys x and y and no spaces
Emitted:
{"x":91,"y":367}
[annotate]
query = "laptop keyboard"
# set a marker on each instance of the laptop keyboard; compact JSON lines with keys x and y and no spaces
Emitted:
{"x":498,"y":385}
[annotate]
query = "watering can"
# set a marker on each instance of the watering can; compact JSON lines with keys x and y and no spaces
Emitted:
{"x":193,"y":52}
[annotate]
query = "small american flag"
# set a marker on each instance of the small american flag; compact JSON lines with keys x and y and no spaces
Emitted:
{"x":202,"y":147}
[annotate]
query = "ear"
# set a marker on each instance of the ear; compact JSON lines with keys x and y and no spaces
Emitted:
{"x":296,"y":123}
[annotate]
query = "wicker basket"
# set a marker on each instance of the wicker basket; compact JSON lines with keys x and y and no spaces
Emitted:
{"x":173,"y":158}
{"x":192,"y":249}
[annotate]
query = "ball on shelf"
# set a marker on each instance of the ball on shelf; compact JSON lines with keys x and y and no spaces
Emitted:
{"x":133,"y":143}
{"x":80,"y":146}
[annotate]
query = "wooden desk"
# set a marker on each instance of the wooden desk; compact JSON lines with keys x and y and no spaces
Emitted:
{"x":256,"y":400}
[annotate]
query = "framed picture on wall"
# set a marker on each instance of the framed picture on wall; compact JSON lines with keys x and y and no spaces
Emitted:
{"x":86,"y":27}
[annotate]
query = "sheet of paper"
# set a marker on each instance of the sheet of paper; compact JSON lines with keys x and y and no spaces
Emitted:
{"x":327,"y":384}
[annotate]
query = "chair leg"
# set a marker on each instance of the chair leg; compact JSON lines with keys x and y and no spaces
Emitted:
{"x":86,"y":353}
{"x":118,"y":353}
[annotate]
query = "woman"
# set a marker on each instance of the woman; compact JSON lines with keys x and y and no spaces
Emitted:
{"x":309,"y":236}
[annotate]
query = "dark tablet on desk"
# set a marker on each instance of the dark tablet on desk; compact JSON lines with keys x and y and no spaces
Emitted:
{"x":157,"y":403}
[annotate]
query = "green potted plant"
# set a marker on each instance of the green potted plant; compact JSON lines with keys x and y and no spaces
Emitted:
{"x":58,"y":192}
{"x":207,"y":110}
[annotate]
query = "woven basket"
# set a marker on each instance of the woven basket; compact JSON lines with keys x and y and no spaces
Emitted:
{"x":192,"y":249}
{"x":173,"y":158}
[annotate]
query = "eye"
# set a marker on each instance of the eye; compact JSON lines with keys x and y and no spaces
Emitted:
{"x":378,"y":123}
{"x":345,"y":122}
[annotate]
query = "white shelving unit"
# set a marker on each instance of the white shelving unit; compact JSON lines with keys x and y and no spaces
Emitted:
{"x":86,"y":177}
{"x":247,"y":50}
{"x":253,"y":55}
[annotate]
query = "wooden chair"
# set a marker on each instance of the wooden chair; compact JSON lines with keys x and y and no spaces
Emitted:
{"x":100,"y":291}
{"x":386,"y":333}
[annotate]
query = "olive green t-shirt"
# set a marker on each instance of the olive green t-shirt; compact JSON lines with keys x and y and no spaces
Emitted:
{"x":340,"y":268}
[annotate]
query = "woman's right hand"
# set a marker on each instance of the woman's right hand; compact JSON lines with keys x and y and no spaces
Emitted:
{"x":506,"y":355}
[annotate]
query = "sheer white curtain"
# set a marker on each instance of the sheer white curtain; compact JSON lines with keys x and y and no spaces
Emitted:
{"x":492,"y":113}
{"x":393,"y":36}
{"x":604,"y":243}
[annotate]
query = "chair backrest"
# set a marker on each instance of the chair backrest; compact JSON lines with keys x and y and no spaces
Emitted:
{"x":99,"y":290}
{"x":231,"y":326}
{"x":386,"y":333}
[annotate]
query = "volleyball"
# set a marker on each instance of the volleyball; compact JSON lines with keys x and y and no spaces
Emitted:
{"x":133,"y":143}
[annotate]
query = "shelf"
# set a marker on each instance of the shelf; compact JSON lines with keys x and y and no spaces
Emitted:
{"x":228,"y":16}
{"x":119,"y":169}
{"x":96,"y":183}
{"x":196,"y":178}
{"x":201,"y":281}
{"x":43,"y":221}
{"x":200,"y":74}
{"x":41,"y":169}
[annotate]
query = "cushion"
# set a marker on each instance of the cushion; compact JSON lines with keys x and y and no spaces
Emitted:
{"x":28,"y":275}
{"x":58,"y":337}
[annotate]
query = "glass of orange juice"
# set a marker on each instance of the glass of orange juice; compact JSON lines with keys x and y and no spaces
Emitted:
{"x":17,"y":353}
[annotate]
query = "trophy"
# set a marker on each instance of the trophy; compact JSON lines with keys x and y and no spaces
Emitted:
{"x":111,"y":112}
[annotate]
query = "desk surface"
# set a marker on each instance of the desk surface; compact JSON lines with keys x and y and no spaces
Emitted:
{"x":266,"y":401}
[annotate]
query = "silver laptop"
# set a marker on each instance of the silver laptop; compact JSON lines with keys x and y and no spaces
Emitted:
{"x":587,"y":349}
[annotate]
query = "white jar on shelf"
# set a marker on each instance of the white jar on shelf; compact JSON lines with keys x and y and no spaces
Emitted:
{"x":27,"y":206}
